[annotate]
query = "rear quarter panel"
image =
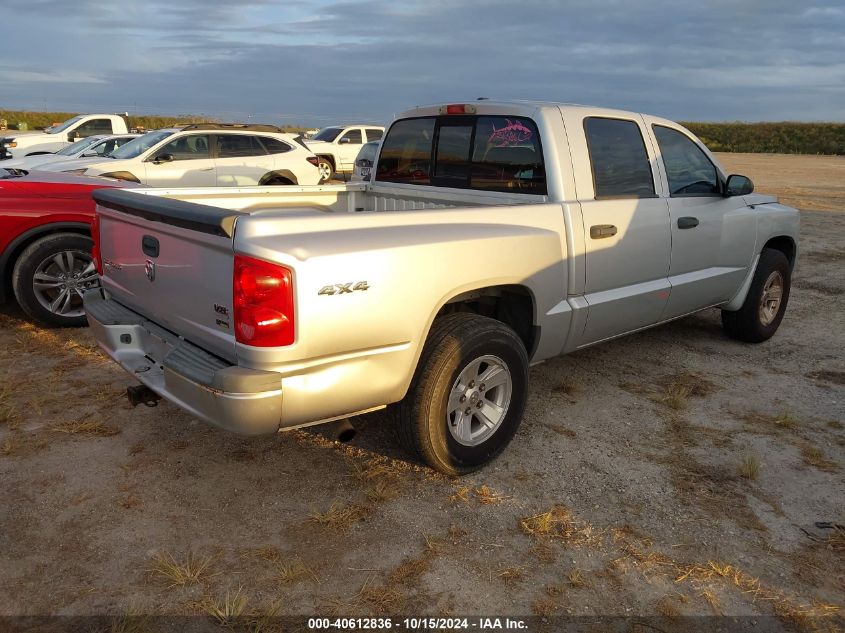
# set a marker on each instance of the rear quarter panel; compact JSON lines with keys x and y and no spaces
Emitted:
{"x":359,"y":349}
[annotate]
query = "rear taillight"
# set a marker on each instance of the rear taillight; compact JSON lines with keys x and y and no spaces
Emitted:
{"x":313,"y":160}
{"x":263,"y":301}
{"x":96,"y":256}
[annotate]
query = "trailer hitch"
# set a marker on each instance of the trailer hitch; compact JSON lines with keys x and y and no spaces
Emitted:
{"x":141,"y":394}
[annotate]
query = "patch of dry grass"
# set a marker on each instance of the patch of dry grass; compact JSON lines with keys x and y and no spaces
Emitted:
{"x":268,"y":553}
{"x":568,"y":385}
{"x":461,"y":495}
{"x":411,"y":569}
{"x":92,"y":427}
{"x":511,"y":575}
{"x":22,"y":445}
{"x":749,"y":467}
{"x":189,"y":571}
{"x":544,"y":606}
{"x":543,"y":552}
{"x":667,"y":607}
{"x":558,"y":523}
{"x":713,"y":600}
{"x":782,"y":421}
{"x":340,"y":517}
{"x":487,"y":496}
{"x":576,"y":578}
{"x":815,"y":457}
{"x":836,"y":539}
{"x":8,"y":412}
{"x":381,"y":476}
{"x":290,"y":572}
{"x":228,"y":609}
{"x":784,"y":607}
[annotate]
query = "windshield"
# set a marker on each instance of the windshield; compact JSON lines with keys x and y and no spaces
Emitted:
{"x":327,"y":134}
{"x":74,"y":148}
{"x":138,"y":146}
{"x":61,"y":127}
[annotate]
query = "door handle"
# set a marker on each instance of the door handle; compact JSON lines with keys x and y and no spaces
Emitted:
{"x":687,"y":223}
{"x":600,"y":231}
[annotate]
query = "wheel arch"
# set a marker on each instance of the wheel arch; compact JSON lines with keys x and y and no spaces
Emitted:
{"x":330,"y":158}
{"x":512,"y":304}
{"x":786,"y":245}
{"x":287,"y":174}
{"x":17,"y":246}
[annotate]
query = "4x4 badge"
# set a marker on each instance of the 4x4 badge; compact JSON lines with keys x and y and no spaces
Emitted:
{"x":150,"y":269}
{"x":340,"y":289}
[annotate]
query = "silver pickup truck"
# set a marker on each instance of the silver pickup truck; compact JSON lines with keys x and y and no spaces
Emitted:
{"x":492,"y":236}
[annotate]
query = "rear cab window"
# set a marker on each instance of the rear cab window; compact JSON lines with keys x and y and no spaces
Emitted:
{"x":489,"y":153}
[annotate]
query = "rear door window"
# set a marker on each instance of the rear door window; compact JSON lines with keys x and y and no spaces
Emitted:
{"x":374,"y":134}
{"x":238,"y":146}
{"x":621,"y":167}
{"x":469,"y":152}
{"x":274,"y":145}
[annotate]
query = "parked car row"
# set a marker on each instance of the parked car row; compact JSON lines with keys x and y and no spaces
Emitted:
{"x":200,"y":155}
{"x":46,"y":219}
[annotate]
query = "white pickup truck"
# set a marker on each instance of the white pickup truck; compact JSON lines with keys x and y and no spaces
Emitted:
{"x":337,"y":147}
{"x":58,"y":136}
{"x":493,"y":235}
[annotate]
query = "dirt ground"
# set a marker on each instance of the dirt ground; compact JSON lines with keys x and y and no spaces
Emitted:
{"x":673,"y":472}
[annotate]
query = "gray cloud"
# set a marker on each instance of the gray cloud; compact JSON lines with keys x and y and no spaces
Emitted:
{"x":320,"y":61}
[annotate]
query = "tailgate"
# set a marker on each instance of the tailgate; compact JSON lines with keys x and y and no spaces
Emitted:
{"x":171,"y":261}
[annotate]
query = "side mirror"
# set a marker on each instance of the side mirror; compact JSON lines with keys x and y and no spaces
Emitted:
{"x":345,"y":139}
{"x":89,"y":154}
{"x":738,"y":185}
{"x":163,"y":158}
{"x":71,"y":137}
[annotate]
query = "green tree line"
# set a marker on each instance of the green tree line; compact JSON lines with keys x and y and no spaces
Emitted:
{"x":787,"y":137}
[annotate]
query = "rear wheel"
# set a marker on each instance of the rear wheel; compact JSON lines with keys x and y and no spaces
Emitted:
{"x":326,"y":169}
{"x":50,"y":277}
{"x":468,"y":394}
{"x":760,"y":316}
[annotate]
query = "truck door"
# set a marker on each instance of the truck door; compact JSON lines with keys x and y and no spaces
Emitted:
{"x":713,"y":237}
{"x":348,"y":147}
{"x":626,"y":224}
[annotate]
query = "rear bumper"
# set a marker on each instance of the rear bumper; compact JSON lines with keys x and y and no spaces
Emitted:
{"x":244,"y":401}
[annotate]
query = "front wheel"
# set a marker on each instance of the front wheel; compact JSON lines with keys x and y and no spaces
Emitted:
{"x":50,"y":277}
{"x":761,"y":313}
{"x":326,"y":169}
{"x":467,"y":397}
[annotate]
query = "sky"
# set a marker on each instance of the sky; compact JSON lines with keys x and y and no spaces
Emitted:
{"x":317,"y":62}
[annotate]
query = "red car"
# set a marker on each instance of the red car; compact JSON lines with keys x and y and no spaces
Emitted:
{"x":45,"y":243}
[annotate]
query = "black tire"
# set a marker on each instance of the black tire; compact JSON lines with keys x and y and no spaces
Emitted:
{"x":25,"y":269}
{"x":746,"y":324}
{"x":325,"y":165}
{"x":454,"y":342}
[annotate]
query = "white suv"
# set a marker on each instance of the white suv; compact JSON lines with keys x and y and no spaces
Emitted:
{"x":209,"y":155}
